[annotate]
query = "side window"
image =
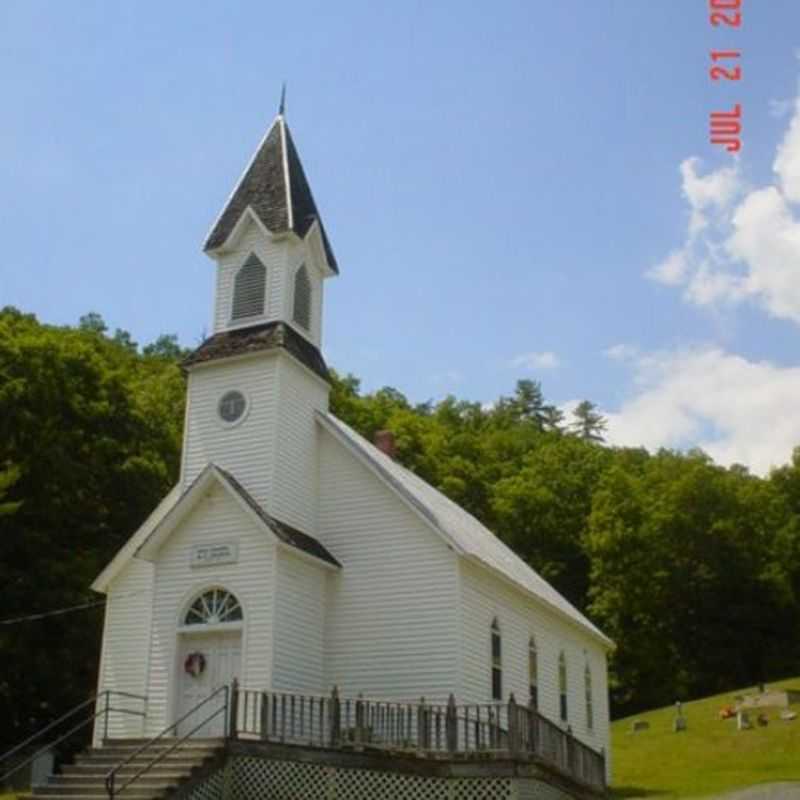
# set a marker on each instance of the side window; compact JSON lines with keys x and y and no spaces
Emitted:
{"x":497,"y":661}
{"x":562,"y":685}
{"x":249,"y":289}
{"x":533,"y":673}
{"x":302,"y":298}
{"x":587,"y":675}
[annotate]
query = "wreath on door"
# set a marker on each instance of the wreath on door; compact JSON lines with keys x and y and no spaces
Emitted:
{"x":195,"y":664}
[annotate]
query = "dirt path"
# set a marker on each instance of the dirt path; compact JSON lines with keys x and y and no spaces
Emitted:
{"x":765,"y":791}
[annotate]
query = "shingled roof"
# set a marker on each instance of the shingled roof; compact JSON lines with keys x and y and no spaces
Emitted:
{"x":469,"y":537}
{"x":269,"y":336}
{"x":286,"y":533}
{"x":274,"y":185}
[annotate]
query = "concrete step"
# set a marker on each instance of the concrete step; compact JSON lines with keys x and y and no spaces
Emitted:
{"x":187,"y":747}
{"x":117,"y":757}
{"x":96,"y":795}
{"x":147,"y":779}
{"x":165,"y":768}
{"x":147,"y":793}
{"x":85,"y":779}
{"x":60,"y":790}
{"x":167,"y":740}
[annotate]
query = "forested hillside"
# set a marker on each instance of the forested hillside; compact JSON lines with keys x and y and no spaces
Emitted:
{"x":693,"y":569}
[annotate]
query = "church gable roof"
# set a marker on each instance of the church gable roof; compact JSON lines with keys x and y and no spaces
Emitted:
{"x":275,"y":187}
{"x":286,"y":533}
{"x":469,"y":537}
{"x":176,"y":505}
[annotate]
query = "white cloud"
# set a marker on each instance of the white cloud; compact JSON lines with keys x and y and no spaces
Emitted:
{"x":738,"y":411}
{"x":672,"y":270}
{"x":741,"y":244}
{"x":787,"y":159}
{"x":451,"y":376}
{"x":621,"y":352}
{"x":709,"y":193}
{"x":534,"y":361}
{"x":780,"y":108}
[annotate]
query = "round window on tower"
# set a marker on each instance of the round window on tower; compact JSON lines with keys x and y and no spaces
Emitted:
{"x":231,"y":407}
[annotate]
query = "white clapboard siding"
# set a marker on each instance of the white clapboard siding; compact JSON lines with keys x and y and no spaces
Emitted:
{"x":299,"y":626}
{"x":294,"y":497}
{"x":486,"y":597}
{"x":126,"y":641}
{"x":272,"y":253}
{"x":246,"y":449}
{"x":391,"y":627}
{"x":217,"y":518}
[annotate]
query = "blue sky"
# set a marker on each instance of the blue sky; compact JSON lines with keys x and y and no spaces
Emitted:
{"x":501,"y":183}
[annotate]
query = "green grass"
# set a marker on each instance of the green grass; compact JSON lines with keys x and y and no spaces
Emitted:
{"x":710,"y":757}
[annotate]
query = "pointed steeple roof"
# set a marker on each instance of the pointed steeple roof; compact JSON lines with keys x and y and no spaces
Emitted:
{"x":275,"y":187}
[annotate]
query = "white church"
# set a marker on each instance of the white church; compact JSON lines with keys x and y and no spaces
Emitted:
{"x":293,"y":555}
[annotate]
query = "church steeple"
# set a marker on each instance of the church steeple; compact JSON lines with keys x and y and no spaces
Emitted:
{"x":275,"y":188}
{"x":256,"y":384}
{"x":273,"y":256}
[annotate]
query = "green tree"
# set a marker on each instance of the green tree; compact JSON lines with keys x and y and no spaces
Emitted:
{"x":92,"y":322}
{"x":93,"y":431}
{"x":684,"y":576}
{"x":589,"y":424}
{"x":8,"y":477}
{"x":542,"y":510}
{"x":166,"y":347}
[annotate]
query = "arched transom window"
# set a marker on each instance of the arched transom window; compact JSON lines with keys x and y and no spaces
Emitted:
{"x":587,"y":677}
{"x":562,"y":685}
{"x":214,"y":607}
{"x":302,"y":298}
{"x":533,"y":673}
{"x":497,"y":661}
{"x":249,"y":289}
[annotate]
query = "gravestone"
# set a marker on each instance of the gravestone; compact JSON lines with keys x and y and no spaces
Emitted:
{"x":743,"y":721}
{"x":679,"y":723}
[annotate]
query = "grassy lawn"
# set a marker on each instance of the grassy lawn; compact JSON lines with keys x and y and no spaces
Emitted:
{"x":710,"y":757}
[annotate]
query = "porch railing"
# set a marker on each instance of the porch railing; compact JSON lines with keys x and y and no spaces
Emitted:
{"x":427,"y":729}
{"x":155,"y":750}
{"x":76,"y":719}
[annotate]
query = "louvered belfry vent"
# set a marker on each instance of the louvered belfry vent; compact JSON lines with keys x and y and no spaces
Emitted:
{"x":249,"y":289}
{"x":302,"y":298}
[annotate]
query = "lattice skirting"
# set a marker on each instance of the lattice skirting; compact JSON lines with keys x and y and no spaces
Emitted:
{"x":289,"y":780}
{"x":532,"y":789}
{"x":210,"y":789}
{"x":251,"y":778}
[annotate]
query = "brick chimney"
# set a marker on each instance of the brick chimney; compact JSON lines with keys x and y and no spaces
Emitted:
{"x":384,"y":441}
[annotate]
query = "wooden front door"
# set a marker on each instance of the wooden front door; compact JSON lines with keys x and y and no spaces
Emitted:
{"x":222,"y":653}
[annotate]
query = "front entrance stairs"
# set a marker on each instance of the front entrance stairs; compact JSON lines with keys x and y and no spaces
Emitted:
{"x":85,"y":779}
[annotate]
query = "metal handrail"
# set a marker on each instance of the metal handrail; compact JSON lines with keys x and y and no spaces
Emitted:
{"x":107,"y":709}
{"x":111,"y":776}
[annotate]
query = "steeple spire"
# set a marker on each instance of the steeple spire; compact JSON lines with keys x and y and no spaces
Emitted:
{"x":282,"y":106}
{"x":275,"y":188}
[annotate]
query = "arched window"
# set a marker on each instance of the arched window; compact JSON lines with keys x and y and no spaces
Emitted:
{"x":497,"y":662}
{"x":249,"y":289}
{"x":562,"y":685}
{"x":302,"y":298}
{"x":587,"y":679}
{"x":533,"y":673}
{"x":213,"y":607}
